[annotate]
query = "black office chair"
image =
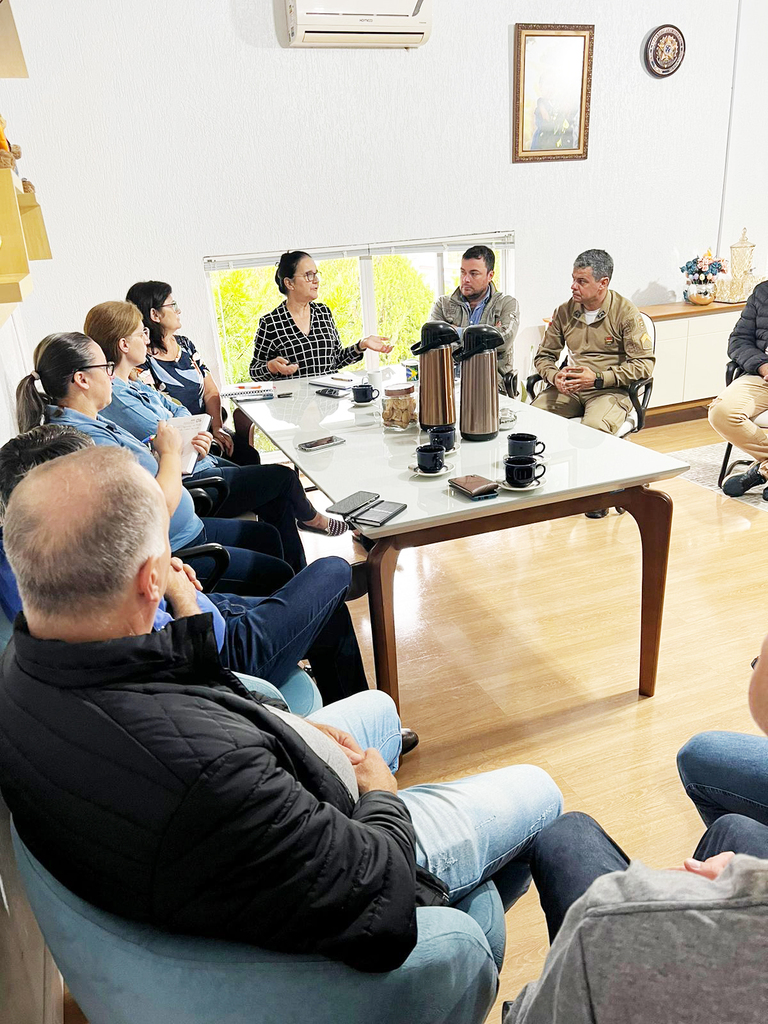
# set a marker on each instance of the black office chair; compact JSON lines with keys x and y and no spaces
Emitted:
{"x":213,"y":552}
{"x":207,"y":504}
{"x":510,"y":382}
{"x":732,"y":371}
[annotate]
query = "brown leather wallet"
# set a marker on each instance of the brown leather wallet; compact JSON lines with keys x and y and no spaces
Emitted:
{"x":473,"y":485}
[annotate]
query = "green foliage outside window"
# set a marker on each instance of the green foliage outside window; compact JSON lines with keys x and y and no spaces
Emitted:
{"x":242,"y":297}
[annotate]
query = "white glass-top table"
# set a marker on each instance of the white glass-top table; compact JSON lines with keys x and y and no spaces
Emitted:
{"x":585,"y":469}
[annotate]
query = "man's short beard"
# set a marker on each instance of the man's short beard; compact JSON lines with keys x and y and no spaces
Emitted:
{"x":475,"y":295}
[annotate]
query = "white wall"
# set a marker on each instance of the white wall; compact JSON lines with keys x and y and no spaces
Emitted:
{"x":158,"y":133}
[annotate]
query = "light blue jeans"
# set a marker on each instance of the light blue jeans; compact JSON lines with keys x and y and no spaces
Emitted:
{"x":726,"y":773}
{"x":466,"y":831}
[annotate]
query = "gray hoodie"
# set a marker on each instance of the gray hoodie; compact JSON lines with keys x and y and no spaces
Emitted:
{"x":658,"y":947}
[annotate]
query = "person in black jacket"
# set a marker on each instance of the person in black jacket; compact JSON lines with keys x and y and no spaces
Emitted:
{"x":732,"y":413}
{"x":152,"y":784}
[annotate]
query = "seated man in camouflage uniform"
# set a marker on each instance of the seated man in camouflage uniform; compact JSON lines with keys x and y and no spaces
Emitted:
{"x":607,"y":347}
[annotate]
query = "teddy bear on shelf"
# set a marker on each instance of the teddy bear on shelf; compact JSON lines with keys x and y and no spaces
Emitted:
{"x":8,"y":154}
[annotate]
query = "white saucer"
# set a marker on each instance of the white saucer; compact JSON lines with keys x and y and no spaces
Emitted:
{"x":363,"y":405}
{"x":508,"y":487}
{"x":447,"y":468}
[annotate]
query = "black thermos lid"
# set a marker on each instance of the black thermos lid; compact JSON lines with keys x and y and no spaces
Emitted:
{"x":435,"y":334}
{"x":480,"y":338}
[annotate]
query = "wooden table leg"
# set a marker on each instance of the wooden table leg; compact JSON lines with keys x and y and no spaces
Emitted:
{"x":652,"y":511}
{"x":382,"y":560}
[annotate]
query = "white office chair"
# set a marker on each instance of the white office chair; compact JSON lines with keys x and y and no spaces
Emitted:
{"x":639,"y":390}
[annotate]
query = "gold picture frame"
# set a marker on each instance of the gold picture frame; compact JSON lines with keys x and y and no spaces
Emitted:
{"x":552,"y":86}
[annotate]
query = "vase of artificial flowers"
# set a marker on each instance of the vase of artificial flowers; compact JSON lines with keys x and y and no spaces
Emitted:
{"x":700,"y":274}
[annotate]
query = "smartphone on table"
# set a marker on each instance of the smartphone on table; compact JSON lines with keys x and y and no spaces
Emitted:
{"x":320,"y":442}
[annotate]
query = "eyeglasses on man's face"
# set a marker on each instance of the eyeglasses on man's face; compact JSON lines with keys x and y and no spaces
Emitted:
{"x":109,"y":368}
{"x":172,"y":305}
{"x":311,"y":276}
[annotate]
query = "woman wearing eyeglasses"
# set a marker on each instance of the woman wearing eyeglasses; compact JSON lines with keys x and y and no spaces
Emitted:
{"x":274,"y":493}
{"x":177,"y":370}
{"x":71,"y":384}
{"x":299,"y":336}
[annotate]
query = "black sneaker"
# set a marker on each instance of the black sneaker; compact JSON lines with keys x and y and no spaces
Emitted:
{"x":737,"y":485}
{"x":599,"y":513}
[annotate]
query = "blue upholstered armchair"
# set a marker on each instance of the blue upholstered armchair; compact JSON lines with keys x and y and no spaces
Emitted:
{"x":121,"y":972}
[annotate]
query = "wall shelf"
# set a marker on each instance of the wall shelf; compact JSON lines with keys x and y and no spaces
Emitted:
{"x":12,"y":63}
{"x":23,"y":238}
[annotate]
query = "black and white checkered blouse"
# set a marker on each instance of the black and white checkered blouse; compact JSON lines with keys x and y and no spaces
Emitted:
{"x":315,"y":353}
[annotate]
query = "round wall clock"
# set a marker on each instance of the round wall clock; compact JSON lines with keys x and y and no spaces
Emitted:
{"x":664,"y":50}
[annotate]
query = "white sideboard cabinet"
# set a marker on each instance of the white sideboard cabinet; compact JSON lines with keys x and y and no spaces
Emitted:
{"x":691,"y":350}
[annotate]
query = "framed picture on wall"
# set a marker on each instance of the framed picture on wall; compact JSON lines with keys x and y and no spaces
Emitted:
{"x":553,"y":79}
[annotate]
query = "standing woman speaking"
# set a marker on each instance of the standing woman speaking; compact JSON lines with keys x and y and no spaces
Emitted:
{"x":299,"y":336}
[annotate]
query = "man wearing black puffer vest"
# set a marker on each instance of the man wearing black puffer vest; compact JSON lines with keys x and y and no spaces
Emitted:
{"x":151,"y":783}
{"x":732,"y":413}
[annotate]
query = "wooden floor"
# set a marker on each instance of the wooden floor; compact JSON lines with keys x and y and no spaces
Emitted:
{"x":523,"y":647}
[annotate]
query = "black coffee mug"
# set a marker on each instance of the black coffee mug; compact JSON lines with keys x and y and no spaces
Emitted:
{"x":522,"y":470}
{"x":445,"y":436}
{"x":430,"y":458}
{"x":364,"y":393}
{"x":519,"y":445}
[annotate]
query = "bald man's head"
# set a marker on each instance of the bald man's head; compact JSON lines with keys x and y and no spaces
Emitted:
{"x":78,"y":529}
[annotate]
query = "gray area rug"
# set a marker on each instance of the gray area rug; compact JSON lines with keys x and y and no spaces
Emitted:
{"x":705,"y":465}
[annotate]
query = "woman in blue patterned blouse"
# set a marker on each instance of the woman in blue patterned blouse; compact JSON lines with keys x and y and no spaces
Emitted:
{"x":174,"y":367}
{"x":300,"y":336}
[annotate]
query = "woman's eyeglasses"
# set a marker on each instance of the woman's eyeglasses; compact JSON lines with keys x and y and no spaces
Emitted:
{"x":109,"y":368}
{"x":173,"y":305}
{"x":311,"y":277}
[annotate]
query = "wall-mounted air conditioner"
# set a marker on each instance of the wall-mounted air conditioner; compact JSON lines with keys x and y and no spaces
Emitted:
{"x":364,"y":23}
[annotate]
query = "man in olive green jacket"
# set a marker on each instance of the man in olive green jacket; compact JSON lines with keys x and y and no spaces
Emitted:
{"x":607,"y":346}
{"x":477,"y":300}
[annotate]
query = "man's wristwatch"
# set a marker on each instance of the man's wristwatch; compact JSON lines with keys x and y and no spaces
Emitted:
{"x":599,"y":382}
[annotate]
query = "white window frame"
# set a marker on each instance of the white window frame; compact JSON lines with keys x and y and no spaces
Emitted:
{"x":503,"y":242}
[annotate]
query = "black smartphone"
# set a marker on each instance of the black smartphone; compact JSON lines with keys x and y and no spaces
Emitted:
{"x":352,"y":503}
{"x":379,"y":513}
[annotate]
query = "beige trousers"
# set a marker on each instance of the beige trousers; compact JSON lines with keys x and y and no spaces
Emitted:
{"x":605,"y":409}
{"x":732,"y":412}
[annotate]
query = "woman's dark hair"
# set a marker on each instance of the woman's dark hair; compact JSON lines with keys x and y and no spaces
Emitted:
{"x":57,"y":358}
{"x":149,"y":295}
{"x":287,"y":267}
{"x":33,"y":448}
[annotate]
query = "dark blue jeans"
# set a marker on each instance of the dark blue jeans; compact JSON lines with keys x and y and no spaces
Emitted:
{"x":726,"y":773}
{"x":567,"y":856}
{"x":306,"y":618}
{"x":256,"y":563}
{"x":275,"y":495}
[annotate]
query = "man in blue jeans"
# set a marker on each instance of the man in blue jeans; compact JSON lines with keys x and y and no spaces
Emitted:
{"x":144,"y":776}
{"x":630,"y":943}
{"x":727,"y":772}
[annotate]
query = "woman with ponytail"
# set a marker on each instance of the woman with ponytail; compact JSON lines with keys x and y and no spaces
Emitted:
{"x":70,"y":384}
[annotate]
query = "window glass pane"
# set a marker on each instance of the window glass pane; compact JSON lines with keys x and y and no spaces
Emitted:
{"x":406,"y":287}
{"x":242,"y":297}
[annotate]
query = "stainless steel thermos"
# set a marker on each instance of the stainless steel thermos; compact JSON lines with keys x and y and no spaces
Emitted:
{"x":479,"y":413}
{"x":437,"y":399}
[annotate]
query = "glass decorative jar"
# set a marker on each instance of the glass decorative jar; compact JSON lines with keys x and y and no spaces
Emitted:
{"x":398,"y":409}
{"x":699,"y":289}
